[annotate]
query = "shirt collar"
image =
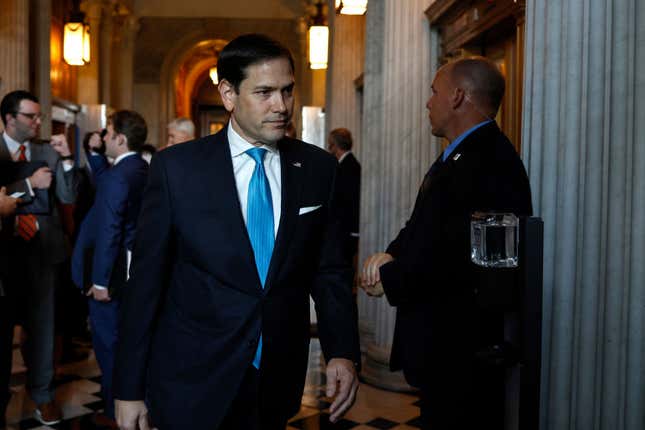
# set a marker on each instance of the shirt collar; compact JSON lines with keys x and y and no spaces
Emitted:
{"x":453,"y":145}
{"x":122,"y":156}
{"x":239,"y":145}
{"x":12,"y":144}
{"x":342,"y":157}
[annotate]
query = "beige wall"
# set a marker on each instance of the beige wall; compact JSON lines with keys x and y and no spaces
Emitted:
{"x":146,"y":103}
{"x":346,"y":64}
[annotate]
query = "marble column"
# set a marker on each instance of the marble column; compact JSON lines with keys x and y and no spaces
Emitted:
{"x":346,"y":62}
{"x":88,"y":75}
{"x":105,"y":54}
{"x":14,"y":45}
{"x":397,"y":148}
{"x":124,"y":70}
{"x":42,"y":62}
{"x":583,"y":143}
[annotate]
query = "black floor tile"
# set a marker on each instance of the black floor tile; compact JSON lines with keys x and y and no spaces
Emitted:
{"x":30,"y":423}
{"x":321,"y":422}
{"x":96,"y":406}
{"x":416,"y":422}
{"x":382,"y":424}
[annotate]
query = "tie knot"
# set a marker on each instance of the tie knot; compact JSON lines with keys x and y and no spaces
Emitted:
{"x":257,"y":154}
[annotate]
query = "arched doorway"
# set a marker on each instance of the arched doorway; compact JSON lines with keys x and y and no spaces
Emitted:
{"x":184,"y":79}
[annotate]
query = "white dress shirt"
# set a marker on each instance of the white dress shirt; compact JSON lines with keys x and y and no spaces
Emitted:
{"x":243,"y":167}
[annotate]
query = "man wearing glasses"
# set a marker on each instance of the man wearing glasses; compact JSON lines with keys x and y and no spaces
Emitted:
{"x":36,"y":241}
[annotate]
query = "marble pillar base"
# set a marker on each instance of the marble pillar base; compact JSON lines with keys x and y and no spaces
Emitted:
{"x":376,"y":371}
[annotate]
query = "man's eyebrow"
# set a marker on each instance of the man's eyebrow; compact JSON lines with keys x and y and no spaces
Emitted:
{"x":271,"y":88}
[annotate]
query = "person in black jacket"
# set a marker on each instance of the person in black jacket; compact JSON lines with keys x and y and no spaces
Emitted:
{"x":7,"y":208}
{"x":348,"y":187}
{"x":426,"y":272}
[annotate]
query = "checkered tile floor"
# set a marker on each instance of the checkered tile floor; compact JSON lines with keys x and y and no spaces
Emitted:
{"x":78,"y":391}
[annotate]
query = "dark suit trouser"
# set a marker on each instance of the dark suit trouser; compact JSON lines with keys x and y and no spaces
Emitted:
{"x":31,"y":289}
{"x":246,"y":410}
{"x":6,"y":349}
{"x":464,"y":396}
{"x":104,"y":323}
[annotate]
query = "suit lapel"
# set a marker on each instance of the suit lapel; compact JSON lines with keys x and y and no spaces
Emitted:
{"x":36,"y":153}
{"x":4,"y":150}
{"x":291,"y":175}
{"x":219,"y":175}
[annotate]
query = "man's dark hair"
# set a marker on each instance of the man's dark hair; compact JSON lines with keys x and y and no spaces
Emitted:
{"x":246,"y":50}
{"x":342,"y":138}
{"x":482,"y":79}
{"x":11,"y":103}
{"x":132,"y":125}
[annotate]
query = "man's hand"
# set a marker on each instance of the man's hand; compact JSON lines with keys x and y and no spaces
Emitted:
{"x":342,"y":382}
{"x":7,"y":203}
{"x":42,"y":178}
{"x":131,"y":415}
{"x":371,"y":274}
{"x":95,"y":141}
{"x":99,"y":294}
{"x":59,"y":143}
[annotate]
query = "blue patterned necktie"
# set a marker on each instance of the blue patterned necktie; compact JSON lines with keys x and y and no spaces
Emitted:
{"x":259,"y":223}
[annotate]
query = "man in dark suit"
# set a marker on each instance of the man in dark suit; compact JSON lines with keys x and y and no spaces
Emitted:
{"x":107,"y":234}
{"x":38,"y":244}
{"x":237,"y":230}
{"x":7,"y":208}
{"x":441,"y":326}
{"x":348,"y":187}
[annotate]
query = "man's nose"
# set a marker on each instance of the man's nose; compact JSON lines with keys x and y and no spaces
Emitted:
{"x":279,"y":104}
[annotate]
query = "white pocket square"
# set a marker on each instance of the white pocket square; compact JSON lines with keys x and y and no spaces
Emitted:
{"x":308,"y":209}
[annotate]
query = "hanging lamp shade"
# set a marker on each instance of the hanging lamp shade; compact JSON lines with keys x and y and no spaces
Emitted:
{"x":76,"y":40}
{"x":318,"y":46}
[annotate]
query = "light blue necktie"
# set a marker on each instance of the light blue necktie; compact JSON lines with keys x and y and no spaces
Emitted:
{"x":259,"y":224}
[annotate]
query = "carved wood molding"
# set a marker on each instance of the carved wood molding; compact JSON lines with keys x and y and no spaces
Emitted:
{"x":459,"y":21}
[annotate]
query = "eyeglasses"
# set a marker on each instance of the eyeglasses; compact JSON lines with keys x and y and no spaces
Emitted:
{"x":32,"y":116}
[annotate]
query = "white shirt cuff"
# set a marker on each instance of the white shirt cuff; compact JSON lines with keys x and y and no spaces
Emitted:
{"x":31,"y":190}
{"x":99,"y":287}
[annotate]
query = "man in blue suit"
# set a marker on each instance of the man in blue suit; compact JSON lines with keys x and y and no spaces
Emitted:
{"x":238,"y":229}
{"x":106,"y":237}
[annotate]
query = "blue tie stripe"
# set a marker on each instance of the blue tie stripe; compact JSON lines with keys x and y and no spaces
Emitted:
{"x":259,"y":224}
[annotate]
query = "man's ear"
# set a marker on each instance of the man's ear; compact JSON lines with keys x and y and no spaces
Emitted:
{"x":124,"y":140}
{"x":7,"y":119}
{"x":228,"y":94}
{"x":458,"y":98}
